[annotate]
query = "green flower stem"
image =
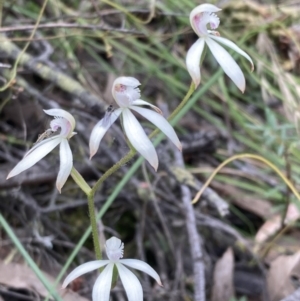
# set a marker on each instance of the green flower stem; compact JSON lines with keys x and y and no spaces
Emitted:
{"x":200,"y":92}
{"x":77,"y":177}
{"x":80,"y":181}
{"x":113,"y":169}
{"x":183,"y":102}
{"x":93,"y":221}
{"x":178,"y":109}
{"x":91,"y":191}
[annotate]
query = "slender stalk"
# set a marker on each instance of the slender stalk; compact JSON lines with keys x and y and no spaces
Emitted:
{"x":132,"y":171}
{"x":183,"y":102}
{"x":77,"y":177}
{"x":113,"y":169}
{"x":91,"y":192}
{"x":80,"y":181}
{"x":93,"y":221}
{"x":179,"y":107}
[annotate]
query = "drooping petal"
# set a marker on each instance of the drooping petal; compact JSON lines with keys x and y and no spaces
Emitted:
{"x":203,"y":8}
{"x":193,"y":60}
{"x":138,"y":138}
{"x":84,"y":268}
{"x":32,"y":157}
{"x":140,"y":102}
{"x":63,"y":114}
{"x":228,"y":64}
{"x":160,"y":122}
{"x":131,"y":283}
{"x":66,"y":164}
{"x":142,"y":266}
{"x":100,"y":129}
{"x":233,"y":46}
{"x":102,"y":285}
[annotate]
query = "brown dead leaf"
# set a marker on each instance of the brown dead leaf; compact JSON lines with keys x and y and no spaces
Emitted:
{"x":19,"y":276}
{"x":283,"y":272}
{"x":272,"y":225}
{"x":223,"y":289}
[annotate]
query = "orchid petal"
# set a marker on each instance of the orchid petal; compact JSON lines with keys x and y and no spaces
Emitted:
{"x":84,"y":268}
{"x":63,"y":114}
{"x":140,"y":102}
{"x":100,"y":129}
{"x":193,"y":60}
{"x":160,"y":122}
{"x":102,"y":285}
{"x":228,"y":64}
{"x":131,"y":283}
{"x":233,"y":46}
{"x":32,"y":157}
{"x":66,"y":164}
{"x":138,"y":138}
{"x":142,"y":266}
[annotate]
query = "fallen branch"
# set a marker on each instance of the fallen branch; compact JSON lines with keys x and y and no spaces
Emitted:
{"x":61,"y":80}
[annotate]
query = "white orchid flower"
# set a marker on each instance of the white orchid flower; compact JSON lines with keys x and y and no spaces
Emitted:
{"x":101,"y":289}
{"x":127,"y":96}
{"x":199,"y":18}
{"x":66,"y":123}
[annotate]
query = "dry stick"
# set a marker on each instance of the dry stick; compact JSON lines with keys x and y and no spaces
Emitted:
{"x":57,"y":77}
{"x":57,"y":25}
{"x":195,"y":239}
{"x":24,"y":85}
